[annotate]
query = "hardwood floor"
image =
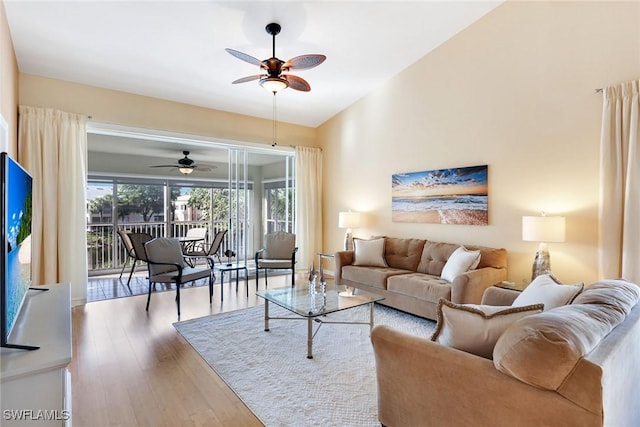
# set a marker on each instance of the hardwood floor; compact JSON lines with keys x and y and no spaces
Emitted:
{"x":131,"y":367}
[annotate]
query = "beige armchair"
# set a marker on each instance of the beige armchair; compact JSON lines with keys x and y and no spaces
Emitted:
{"x":573,"y":365}
{"x":279,"y":252}
{"x":166,"y":264}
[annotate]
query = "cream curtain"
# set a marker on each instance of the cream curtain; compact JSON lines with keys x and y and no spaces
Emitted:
{"x":52,"y":146}
{"x":308,"y":206}
{"x":620,"y":182}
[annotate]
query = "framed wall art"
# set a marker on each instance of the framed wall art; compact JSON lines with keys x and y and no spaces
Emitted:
{"x":444,"y":196}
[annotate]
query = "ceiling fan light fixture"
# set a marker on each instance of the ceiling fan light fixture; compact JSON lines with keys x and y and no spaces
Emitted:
{"x":185,"y":170}
{"x":274,"y":84}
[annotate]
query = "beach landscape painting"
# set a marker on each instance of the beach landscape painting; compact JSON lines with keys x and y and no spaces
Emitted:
{"x":444,"y":196}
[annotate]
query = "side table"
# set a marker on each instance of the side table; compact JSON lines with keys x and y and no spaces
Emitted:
{"x":234,"y":266}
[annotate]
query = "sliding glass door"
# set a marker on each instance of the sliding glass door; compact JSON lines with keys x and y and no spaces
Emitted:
{"x":244,"y":190}
{"x":272,"y":176}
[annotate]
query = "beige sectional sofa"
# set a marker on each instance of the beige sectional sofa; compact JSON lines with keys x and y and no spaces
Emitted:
{"x":411,"y":280}
{"x":574,"y":365}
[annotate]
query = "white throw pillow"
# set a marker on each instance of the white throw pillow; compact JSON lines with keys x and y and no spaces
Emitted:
{"x":369,"y":253}
{"x":545,"y":290}
{"x":476,"y":328}
{"x":460,"y":261}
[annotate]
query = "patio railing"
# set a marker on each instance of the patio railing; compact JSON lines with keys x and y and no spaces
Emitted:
{"x":106,"y":252}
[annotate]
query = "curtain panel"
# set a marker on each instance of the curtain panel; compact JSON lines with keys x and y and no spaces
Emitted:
{"x":619,"y":224}
{"x":52,"y":147}
{"x":308,"y":205}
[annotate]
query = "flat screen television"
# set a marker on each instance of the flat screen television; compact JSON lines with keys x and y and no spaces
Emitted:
{"x":15,"y":238}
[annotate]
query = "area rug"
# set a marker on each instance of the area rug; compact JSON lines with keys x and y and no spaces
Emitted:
{"x":270,"y":372}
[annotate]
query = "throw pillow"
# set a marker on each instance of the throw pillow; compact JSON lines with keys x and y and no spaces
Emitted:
{"x":476,"y":328}
{"x":369,"y":253}
{"x":545,"y":290}
{"x":460,"y":261}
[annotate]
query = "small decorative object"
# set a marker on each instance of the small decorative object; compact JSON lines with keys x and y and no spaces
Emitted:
{"x":312,"y":280}
{"x":229,"y":254}
{"x":313,"y":303}
{"x":322,"y":280}
{"x":312,"y":273}
{"x":312,"y":288}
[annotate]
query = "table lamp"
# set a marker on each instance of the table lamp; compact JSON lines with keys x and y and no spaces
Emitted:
{"x":348,"y":220}
{"x":542,"y":229}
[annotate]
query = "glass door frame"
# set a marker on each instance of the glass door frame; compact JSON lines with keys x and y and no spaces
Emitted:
{"x":246,"y":234}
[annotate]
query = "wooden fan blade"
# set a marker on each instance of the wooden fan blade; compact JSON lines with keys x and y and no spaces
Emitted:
{"x":166,"y":166}
{"x":247,"y":79}
{"x":244,"y":57}
{"x":304,"y":62}
{"x":297,"y":83}
{"x":204,"y":168}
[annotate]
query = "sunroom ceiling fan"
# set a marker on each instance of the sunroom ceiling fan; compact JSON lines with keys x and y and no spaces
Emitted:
{"x":275,"y":78}
{"x":186,"y":165}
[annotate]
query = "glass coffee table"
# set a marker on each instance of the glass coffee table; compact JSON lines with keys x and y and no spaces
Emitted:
{"x":312,"y":307}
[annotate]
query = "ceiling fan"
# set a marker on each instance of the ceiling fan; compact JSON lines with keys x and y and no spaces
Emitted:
{"x":274,"y":79}
{"x":186,"y":165}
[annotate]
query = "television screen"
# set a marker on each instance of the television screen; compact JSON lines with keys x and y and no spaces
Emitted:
{"x":15,"y":269}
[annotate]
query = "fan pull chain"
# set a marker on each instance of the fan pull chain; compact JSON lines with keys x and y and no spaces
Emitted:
{"x":274,"y":120}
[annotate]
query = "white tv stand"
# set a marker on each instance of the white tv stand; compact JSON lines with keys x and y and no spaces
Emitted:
{"x":36,"y":384}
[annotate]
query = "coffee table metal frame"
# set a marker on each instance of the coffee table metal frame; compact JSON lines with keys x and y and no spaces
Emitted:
{"x":298,"y":301}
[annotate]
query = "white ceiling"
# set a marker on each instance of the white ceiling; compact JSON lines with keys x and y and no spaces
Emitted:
{"x":175,"y":49}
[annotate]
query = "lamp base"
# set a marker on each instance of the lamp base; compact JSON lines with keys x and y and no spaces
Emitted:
{"x":348,"y":240}
{"x":541,"y":264}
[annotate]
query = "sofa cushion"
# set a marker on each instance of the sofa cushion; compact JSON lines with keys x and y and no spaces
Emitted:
{"x":476,"y":328}
{"x":369,"y":253}
{"x":490,"y":257}
{"x":546,"y":290}
{"x":542,"y":350}
{"x":372,"y":276}
{"x":460,"y":261}
{"x":421,"y":286}
{"x":434,"y":257}
{"x":403,"y":253}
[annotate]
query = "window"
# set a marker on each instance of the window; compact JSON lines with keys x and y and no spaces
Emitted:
{"x":279,"y":206}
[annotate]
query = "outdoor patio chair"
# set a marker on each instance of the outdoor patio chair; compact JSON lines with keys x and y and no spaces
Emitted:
{"x":137,"y":241}
{"x":279,"y":252}
{"x":166,"y":264}
{"x":198,"y":238}
{"x":128,"y":248}
{"x":212,"y":250}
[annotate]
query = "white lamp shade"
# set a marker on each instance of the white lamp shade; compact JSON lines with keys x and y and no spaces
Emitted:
{"x":543,"y":228}
{"x":349,"y":219}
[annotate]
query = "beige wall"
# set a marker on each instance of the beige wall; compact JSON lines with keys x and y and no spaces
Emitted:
{"x":113,"y":107}
{"x":514,"y":91}
{"x":8,"y":83}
